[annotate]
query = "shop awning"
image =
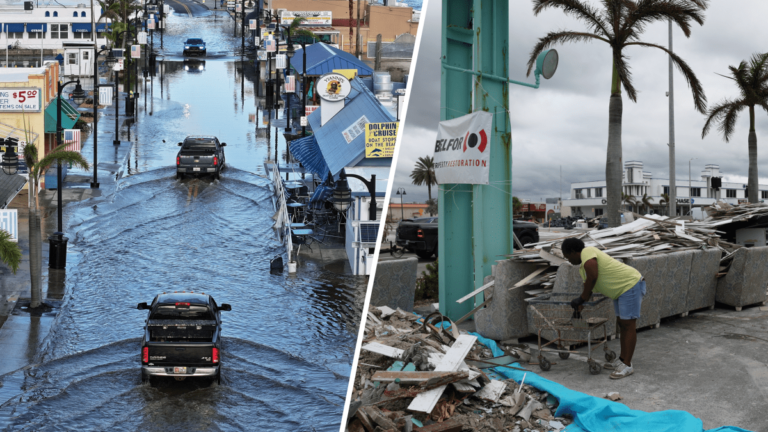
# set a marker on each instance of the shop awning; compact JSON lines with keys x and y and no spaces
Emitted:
{"x":68,"y":119}
{"x":37,"y":27}
{"x":80,"y":27}
{"x":306,"y":151}
{"x":14,"y":28}
{"x":103,"y":27}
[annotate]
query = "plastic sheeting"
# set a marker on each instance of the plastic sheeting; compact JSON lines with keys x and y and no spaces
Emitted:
{"x":594,"y":414}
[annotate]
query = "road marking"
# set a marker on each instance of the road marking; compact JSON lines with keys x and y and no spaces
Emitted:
{"x":184,"y":6}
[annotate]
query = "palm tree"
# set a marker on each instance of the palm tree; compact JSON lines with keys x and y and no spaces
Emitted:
{"x":664,"y":200}
{"x":432,"y":206}
{"x":629,"y":200}
{"x":36,"y":169}
{"x":619,"y":23}
{"x":295,"y":30}
{"x":752,"y":81}
{"x":647,"y":200}
{"x":424,"y":173}
{"x":10,"y":252}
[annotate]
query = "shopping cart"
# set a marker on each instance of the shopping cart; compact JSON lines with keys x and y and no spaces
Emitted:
{"x":555,"y":313}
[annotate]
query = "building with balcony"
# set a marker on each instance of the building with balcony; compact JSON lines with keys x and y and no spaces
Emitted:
{"x":588,"y":199}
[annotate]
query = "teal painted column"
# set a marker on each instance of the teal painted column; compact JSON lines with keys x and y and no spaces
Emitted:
{"x":475,"y":225}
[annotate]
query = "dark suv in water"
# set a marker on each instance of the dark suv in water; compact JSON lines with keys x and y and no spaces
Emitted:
{"x":194,"y":46}
{"x":200,"y":154}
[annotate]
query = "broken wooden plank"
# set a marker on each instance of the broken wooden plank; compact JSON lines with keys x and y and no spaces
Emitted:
{"x":451,"y":361}
{"x":383,"y":350}
{"x":476,"y":292}
{"x":472,"y":312}
{"x":553,"y":259}
{"x":417,"y":377}
{"x":529,"y":277}
{"x":492,"y":392}
{"x":449,"y":425}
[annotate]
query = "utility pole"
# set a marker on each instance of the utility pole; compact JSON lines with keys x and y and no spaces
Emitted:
{"x":357,"y":41}
{"x":672,"y":187}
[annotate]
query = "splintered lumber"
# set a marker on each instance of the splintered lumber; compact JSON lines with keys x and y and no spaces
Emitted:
{"x":553,"y":260}
{"x":492,"y":392}
{"x":451,"y":361}
{"x":384,"y":350}
{"x":449,"y":425}
{"x":417,"y":377}
{"x":476,"y":292}
{"x":472,"y":312}
{"x":529,"y":277}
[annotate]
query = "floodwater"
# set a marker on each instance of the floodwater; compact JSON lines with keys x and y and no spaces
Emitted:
{"x":288,"y":341}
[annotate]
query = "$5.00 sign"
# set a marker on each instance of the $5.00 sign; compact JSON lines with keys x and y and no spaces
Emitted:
{"x":20,"y":100}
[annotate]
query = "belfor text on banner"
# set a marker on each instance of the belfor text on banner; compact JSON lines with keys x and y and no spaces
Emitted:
{"x":463,"y":149}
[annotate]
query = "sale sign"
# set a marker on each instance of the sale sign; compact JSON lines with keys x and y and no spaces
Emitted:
{"x":20,"y":100}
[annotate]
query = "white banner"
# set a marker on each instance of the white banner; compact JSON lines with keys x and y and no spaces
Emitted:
{"x":463,"y":149}
{"x":311,"y":18}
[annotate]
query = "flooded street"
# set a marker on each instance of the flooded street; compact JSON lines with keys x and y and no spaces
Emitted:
{"x":288,"y":341}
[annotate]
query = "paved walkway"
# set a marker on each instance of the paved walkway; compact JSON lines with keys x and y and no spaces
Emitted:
{"x":22,"y":333}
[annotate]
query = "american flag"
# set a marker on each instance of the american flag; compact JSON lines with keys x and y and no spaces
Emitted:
{"x":72,"y":138}
{"x":270,"y":45}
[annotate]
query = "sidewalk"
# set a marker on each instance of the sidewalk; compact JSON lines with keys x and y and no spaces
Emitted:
{"x":21,"y":333}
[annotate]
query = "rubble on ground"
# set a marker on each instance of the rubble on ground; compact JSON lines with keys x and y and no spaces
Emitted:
{"x":414,"y":375}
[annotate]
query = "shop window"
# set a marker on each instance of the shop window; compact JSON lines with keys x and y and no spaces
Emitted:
{"x":730,"y":193}
{"x":59,"y":31}
{"x":598,"y":192}
{"x":764,"y":194}
{"x":695,"y":192}
{"x":80,"y":35}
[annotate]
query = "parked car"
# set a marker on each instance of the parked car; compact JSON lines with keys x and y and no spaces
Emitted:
{"x":418,"y":235}
{"x":200,"y":154}
{"x":526,"y":232}
{"x":194,"y":46}
{"x":182,"y":336}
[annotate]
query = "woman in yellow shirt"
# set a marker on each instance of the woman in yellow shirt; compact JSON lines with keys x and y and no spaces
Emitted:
{"x":620,"y":282}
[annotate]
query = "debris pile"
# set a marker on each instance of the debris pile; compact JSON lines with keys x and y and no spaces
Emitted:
{"x":415,"y":375}
{"x":642,"y":236}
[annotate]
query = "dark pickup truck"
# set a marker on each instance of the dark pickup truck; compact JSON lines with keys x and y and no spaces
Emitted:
{"x":200,"y":154}
{"x":419,"y":235}
{"x":182,"y":337}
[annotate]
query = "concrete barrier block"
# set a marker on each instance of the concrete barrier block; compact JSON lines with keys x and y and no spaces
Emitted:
{"x":745,"y":283}
{"x":505,"y":317}
{"x":653,"y":269}
{"x":677,"y":274}
{"x":702,"y":283}
{"x":395,"y":284}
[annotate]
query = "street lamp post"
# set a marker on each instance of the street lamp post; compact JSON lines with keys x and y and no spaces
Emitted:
{"x":690,"y":191}
{"x":371,"y":185}
{"x":289,"y":53}
{"x":401,"y":192}
{"x":58,"y":243}
{"x":110,"y":62}
{"x":304,"y":84}
{"x":116,"y":141}
{"x":10,"y":163}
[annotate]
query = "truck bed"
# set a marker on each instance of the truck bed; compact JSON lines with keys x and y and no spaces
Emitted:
{"x":164,"y":330}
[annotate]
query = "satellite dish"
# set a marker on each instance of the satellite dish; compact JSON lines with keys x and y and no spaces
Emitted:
{"x":546,"y":63}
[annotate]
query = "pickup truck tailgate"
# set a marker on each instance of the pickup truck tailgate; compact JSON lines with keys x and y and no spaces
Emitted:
{"x":408,"y":232}
{"x":180,"y":354}
{"x":196,"y":160}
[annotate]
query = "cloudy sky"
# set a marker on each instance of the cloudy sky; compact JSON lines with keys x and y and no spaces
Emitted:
{"x":565,"y":122}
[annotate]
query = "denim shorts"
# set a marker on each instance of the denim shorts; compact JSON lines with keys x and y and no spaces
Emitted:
{"x":627,"y":306}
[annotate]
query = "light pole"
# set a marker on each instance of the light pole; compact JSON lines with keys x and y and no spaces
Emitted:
{"x":304,"y":84}
{"x":671,"y":94}
{"x":289,"y":53}
{"x":10,"y":163}
{"x":371,"y":185}
{"x":110,"y":62}
{"x":690,"y":192}
{"x":116,"y":141}
{"x":401,"y":192}
{"x":58,"y":243}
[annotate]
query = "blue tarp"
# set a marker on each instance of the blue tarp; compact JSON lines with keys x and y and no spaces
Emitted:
{"x":594,"y":414}
{"x":321,"y":195}
{"x":323,"y":58}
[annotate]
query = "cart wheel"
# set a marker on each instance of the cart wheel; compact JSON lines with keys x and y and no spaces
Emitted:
{"x":594,"y":368}
{"x":610,"y":356}
{"x":544,"y":364}
{"x":564,"y":355}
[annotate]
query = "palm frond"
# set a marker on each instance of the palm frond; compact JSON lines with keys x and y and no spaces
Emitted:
{"x":758,"y":70}
{"x":61,"y":156}
{"x":729,"y":120}
{"x":10,"y":252}
{"x":716,"y":114}
{"x":699,"y":98}
{"x":579,"y":9}
{"x":561,"y":37}
{"x":650,"y":11}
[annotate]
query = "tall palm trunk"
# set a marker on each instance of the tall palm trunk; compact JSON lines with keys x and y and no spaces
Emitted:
{"x":429,"y":194}
{"x":754,"y":190}
{"x":613,"y":164}
{"x":35,"y":251}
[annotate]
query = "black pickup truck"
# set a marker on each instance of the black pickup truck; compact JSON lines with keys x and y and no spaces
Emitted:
{"x":419,"y":235}
{"x":182,"y":337}
{"x":200,"y":154}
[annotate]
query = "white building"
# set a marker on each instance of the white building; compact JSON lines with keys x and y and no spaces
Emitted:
{"x":588,"y":199}
{"x":65,"y":28}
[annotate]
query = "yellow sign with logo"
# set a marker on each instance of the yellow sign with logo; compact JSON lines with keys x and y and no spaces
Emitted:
{"x":380,"y":139}
{"x":348,"y":73}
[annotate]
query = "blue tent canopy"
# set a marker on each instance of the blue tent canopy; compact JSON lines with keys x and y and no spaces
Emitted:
{"x":323,"y":58}
{"x":14,"y":28}
{"x":37,"y":27}
{"x":81,"y":28}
